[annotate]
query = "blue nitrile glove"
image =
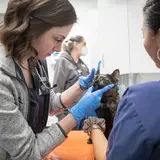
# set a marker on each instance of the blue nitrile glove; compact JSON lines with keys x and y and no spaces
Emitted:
{"x":91,"y":114}
{"x":94,"y":114}
{"x":86,"y":82}
{"x":99,"y":65}
{"x":88,"y":103}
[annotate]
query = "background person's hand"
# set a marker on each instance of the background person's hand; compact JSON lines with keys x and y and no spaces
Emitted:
{"x":86,"y":82}
{"x":98,"y":67}
{"x":88,"y":103}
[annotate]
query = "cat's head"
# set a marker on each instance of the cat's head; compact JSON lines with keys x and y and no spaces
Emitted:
{"x":101,"y":80}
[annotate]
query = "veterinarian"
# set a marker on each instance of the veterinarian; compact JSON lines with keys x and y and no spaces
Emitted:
{"x":136,"y":131}
{"x":33,"y":30}
{"x":69,"y":66}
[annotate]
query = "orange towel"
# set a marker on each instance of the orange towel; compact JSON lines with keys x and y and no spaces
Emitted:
{"x":75,"y":147}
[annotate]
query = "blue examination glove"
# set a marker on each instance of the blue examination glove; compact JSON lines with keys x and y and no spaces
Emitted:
{"x":86,"y":82}
{"x":91,"y":114}
{"x":99,"y":65}
{"x":88,"y":103}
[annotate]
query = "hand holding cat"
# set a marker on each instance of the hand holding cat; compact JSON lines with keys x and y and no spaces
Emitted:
{"x":98,"y":67}
{"x":88,"y":103}
{"x":86,"y":82}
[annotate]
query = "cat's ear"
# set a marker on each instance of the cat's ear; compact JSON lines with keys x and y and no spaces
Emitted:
{"x":116,"y":74}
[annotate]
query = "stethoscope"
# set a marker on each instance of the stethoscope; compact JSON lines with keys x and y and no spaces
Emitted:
{"x":44,"y":87}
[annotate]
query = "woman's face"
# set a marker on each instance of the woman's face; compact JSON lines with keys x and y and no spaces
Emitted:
{"x":51,"y":41}
{"x":152,"y":44}
{"x":80,"y":46}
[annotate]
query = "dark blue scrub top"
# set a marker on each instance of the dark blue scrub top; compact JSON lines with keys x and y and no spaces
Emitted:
{"x":136,"y":131}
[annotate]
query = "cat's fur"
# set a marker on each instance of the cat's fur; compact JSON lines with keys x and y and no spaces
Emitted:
{"x":110,"y":99}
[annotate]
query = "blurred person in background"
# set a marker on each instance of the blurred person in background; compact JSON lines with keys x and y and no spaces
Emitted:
{"x":69,"y":66}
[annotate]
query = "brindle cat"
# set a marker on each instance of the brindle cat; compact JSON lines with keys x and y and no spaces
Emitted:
{"x":110,"y":99}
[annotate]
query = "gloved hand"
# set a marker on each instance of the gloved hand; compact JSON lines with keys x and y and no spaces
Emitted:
{"x":98,"y":67}
{"x":91,"y":114}
{"x":86,"y":82}
{"x":88,"y":103}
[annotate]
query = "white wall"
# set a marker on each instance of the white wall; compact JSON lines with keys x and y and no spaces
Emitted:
{"x":87,"y":24}
{"x":112,"y":35}
{"x":3,"y":5}
{"x":120,"y":36}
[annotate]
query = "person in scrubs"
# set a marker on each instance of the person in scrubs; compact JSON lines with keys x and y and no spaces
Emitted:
{"x":136,"y":132}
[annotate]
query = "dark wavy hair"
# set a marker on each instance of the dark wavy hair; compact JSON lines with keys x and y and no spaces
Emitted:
{"x":26,"y":20}
{"x":151,"y":12}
